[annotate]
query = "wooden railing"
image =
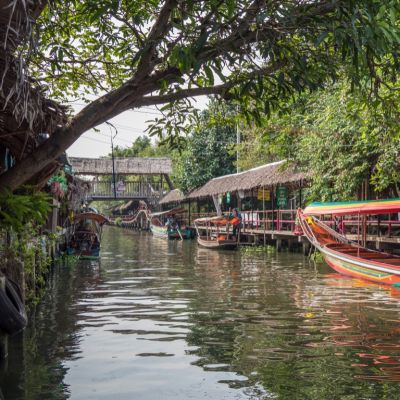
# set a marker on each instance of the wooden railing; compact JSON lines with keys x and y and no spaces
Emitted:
{"x":285,"y":220}
{"x":130,"y":190}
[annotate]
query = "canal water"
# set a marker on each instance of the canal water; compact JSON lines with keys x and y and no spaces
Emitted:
{"x":158,"y":319}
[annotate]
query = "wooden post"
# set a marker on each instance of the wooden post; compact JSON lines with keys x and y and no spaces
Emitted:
{"x":3,"y":336}
{"x":54,"y":216}
{"x":273,"y":207}
{"x":190,"y":214}
{"x":169,"y":182}
{"x":300,"y":193}
{"x":358,"y":234}
{"x":364,"y":231}
{"x":265,"y":219}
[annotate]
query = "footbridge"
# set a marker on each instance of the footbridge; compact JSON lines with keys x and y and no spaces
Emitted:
{"x":125,"y":178}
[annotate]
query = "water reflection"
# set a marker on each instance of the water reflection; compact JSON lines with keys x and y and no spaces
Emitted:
{"x":169,"y":320}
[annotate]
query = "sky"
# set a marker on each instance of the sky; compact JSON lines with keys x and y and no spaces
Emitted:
{"x":130,"y":125}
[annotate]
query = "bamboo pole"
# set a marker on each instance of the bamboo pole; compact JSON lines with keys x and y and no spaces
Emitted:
{"x":263,"y":189}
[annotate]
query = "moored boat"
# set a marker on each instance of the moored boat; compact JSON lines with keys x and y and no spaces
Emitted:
{"x":84,"y":235}
{"x":165,"y":224}
{"x":347,"y":257}
{"x":215,"y":237}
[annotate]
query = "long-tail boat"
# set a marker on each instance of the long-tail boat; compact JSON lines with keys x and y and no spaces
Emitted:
{"x":84,"y":235}
{"x":343,"y":255}
{"x":216,"y":235}
{"x":165,"y":224}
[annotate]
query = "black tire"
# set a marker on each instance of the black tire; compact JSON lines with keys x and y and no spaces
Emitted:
{"x":12,"y":311}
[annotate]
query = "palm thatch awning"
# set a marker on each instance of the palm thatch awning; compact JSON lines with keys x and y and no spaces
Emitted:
{"x":27,"y":117}
{"x":173,"y":196}
{"x":264,"y":176}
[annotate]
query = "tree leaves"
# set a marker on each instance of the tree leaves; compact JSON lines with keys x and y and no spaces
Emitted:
{"x":18,"y":210}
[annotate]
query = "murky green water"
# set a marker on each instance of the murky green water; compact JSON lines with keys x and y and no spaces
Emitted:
{"x":169,"y":320}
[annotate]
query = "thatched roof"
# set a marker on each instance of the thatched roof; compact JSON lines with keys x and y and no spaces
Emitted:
{"x":173,"y":196}
{"x":266,"y":175}
{"x":25,"y":113}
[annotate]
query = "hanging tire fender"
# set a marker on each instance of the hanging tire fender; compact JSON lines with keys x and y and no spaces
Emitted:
{"x":12,"y":310}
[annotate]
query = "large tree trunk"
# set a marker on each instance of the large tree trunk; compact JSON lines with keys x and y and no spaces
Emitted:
{"x":95,"y":113}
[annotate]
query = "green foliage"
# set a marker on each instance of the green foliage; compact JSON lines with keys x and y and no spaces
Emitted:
{"x":21,"y":216}
{"x":18,"y":210}
{"x":334,"y":136}
{"x":139,"y":147}
{"x":259,"y":53}
{"x":29,"y":247}
{"x":118,"y":221}
{"x":210,"y":149}
{"x":143,"y":147}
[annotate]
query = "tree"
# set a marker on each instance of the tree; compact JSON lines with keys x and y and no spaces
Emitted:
{"x":139,"y":146}
{"x":210,"y":149}
{"x":337,"y":139}
{"x":135,"y":53}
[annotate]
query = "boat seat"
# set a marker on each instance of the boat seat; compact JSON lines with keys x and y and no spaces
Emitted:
{"x":341,"y":246}
{"x":373,"y":256}
{"x":347,"y":250}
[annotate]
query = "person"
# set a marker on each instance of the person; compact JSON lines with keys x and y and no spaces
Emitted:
{"x":236,"y":222}
{"x":171,"y":223}
{"x":341,"y":226}
{"x":336,"y":223}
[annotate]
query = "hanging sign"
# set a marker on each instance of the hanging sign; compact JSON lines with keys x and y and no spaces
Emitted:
{"x":263,"y":194}
{"x":282,"y":196}
{"x":120,"y":186}
{"x":228,"y":198}
{"x":68,"y":169}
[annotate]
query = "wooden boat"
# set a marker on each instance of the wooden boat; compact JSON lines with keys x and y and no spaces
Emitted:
{"x":347,"y":257}
{"x":84,"y":235}
{"x":215,"y":238}
{"x":164,"y":224}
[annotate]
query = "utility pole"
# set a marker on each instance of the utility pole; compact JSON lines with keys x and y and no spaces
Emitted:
{"x":237,"y":140}
{"x":112,"y":157}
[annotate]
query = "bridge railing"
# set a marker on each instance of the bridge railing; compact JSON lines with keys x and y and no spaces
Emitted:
{"x":128,"y":189}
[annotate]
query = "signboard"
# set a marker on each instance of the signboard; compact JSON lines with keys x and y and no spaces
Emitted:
{"x":68,"y":169}
{"x":120,"y":186}
{"x":281,"y":196}
{"x":263,"y":194}
{"x":228,"y":198}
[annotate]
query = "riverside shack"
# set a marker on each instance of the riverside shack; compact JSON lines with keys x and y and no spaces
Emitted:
{"x":267,"y":196}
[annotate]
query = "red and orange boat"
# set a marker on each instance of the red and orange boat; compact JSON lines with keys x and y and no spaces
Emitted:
{"x":345,"y":256}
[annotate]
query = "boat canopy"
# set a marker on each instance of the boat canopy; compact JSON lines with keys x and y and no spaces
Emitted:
{"x":99,"y":218}
{"x":173,"y":211}
{"x":367,"y":207}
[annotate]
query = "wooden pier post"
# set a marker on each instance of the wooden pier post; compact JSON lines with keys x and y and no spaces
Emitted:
{"x":306,"y":247}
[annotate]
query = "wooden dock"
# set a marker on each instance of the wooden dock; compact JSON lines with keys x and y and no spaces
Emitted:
{"x":277,"y":228}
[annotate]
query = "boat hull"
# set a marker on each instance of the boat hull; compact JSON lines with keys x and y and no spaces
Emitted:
{"x":217,"y":244}
{"x":170,"y":234}
{"x":349,"y":258}
{"x":361,"y":272}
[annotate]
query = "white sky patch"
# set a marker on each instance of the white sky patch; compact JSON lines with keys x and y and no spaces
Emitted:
{"x":130,"y":124}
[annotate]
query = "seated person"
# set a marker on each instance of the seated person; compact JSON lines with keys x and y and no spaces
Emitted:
{"x":236,"y":221}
